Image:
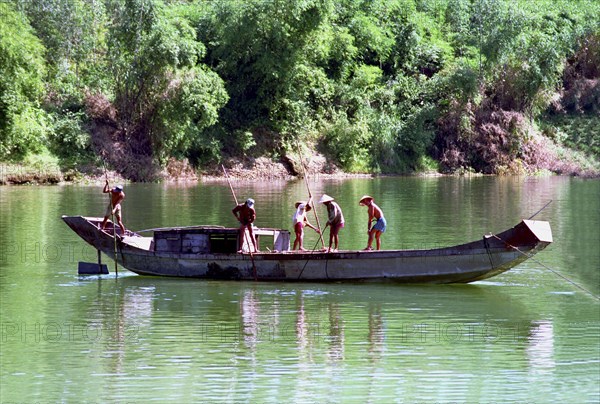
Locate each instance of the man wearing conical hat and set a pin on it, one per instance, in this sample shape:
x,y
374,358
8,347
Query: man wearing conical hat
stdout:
x,y
375,215
335,220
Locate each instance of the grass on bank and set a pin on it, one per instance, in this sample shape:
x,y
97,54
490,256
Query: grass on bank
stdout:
x,y
41,168
578,132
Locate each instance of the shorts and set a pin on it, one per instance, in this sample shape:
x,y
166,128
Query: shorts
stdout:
x,y
380,225
298,227
335,228
117,211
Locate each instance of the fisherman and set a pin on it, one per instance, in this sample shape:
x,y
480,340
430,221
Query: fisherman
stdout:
x,y
114,206
246,215
335,220
375,214
299,220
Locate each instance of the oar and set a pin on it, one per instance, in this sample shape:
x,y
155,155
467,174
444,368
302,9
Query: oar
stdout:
x,y
245,240
310,194
112,217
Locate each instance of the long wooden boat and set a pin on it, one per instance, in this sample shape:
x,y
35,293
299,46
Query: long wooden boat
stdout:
x,y
210,252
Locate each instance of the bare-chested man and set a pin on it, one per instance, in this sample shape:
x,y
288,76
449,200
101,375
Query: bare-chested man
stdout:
x,y
114,206
375,213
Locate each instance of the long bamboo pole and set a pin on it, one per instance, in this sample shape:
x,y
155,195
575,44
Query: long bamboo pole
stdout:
x,y
112,218
310,194
230,186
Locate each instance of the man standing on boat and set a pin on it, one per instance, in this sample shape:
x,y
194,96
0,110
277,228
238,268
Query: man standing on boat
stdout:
x,y
299,220
335,220
114,206
246,215
375,214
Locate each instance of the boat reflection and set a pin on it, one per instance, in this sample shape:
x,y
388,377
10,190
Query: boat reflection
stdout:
x,y
310,323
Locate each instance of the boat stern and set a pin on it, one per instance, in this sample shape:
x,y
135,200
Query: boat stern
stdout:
x,y
540,229
88,229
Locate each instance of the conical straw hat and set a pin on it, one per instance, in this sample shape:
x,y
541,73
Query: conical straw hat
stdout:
x,y
364,199
325,198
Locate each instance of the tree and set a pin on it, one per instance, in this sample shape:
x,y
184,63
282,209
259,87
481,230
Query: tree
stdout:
x,y
163,97
22,121
73,33
259,49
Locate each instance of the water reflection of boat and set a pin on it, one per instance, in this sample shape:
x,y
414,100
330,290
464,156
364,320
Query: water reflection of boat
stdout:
x,y
209,252
325,319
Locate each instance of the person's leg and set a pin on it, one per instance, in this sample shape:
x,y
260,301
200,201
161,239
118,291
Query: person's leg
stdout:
x,y
298,232
330,238
370,242
252,237
241,237
106,216
335,231
302,240
122,226
119,221
378,239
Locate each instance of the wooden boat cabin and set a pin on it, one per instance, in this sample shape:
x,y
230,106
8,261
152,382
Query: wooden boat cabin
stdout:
x,y
217,240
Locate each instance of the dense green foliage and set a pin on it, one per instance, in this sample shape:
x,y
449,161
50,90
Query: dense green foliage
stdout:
x,y
22,121
375,85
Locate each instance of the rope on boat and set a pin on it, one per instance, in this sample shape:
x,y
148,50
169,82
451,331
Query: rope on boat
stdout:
x,y
308,259
548,268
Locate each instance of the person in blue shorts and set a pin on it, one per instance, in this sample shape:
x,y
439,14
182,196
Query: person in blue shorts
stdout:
x,y
375,215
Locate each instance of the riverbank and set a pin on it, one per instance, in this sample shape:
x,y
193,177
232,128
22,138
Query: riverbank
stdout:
x,y
46,170
261,169
16,174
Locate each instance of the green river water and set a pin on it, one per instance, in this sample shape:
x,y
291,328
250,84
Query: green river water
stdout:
x,y
528,335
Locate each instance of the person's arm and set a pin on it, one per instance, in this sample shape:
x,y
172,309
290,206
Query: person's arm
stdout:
x,y
310,225
235,212
106,190
370,218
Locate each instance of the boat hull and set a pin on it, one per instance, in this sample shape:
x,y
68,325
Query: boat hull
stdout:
x,y
464,263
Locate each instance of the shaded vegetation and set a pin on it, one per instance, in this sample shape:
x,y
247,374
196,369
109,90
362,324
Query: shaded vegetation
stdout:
x,y
378,86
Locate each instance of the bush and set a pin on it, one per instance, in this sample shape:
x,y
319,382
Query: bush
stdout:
x,y
348,143
69,139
